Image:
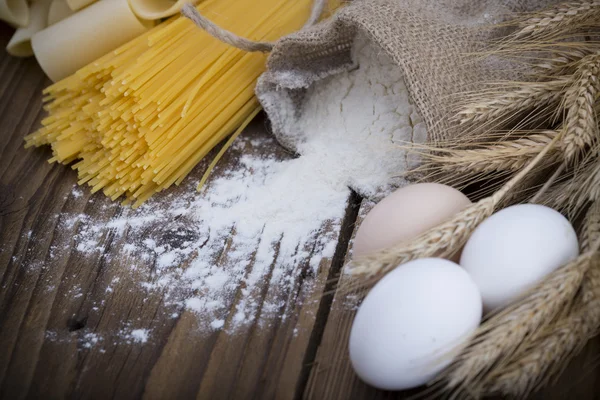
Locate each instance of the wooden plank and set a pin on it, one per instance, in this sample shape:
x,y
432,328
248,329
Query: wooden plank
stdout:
x,y
332,376
66,315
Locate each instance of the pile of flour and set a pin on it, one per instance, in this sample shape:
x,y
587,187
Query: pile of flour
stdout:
x,y
269,214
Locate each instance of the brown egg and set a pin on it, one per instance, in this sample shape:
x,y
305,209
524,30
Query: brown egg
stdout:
x,y
405,214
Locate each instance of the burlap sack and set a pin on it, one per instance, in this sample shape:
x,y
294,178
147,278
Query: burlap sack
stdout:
x,y
428,39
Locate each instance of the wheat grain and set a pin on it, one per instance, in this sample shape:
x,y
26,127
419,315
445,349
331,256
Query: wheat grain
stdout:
x,y
581,125
574,193
590,189
512,101
558,196
506,155
526,190
558,20
559,62
590,231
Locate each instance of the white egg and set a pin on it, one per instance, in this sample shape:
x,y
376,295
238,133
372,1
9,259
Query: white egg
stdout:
x,y
516,248
413,322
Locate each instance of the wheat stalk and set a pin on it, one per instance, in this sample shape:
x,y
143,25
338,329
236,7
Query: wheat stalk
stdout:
x,y
581,125
576,188
558,20
590,189
559,62
591,228
560,194
527,96
506,155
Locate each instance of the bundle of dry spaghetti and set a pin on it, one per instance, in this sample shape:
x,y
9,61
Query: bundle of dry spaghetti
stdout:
x,y
535,139
139,119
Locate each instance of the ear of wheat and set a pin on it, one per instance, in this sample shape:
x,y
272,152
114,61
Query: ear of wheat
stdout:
x,y
567,17
590,231
502,104
507,155
581,125
560,62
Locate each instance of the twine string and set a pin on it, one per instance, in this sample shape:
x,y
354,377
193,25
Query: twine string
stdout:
x,y
315,13
225,36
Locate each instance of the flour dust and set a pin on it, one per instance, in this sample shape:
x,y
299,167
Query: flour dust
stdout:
x,y
266,220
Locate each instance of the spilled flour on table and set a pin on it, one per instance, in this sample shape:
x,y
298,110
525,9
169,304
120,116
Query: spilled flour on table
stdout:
x,y
266,221
139,335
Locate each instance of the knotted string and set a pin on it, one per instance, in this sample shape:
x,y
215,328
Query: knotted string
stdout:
x,y
225,36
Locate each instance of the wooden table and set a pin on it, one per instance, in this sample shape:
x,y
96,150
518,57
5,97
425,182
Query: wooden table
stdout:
x,y
49,304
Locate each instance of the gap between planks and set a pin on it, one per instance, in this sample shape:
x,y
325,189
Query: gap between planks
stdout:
x,y
337,263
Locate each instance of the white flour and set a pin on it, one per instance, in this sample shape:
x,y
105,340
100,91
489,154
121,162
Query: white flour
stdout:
x,y
88,340
139,335
269,215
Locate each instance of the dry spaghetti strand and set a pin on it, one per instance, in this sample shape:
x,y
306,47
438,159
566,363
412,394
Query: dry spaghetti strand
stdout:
x,y
138,120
